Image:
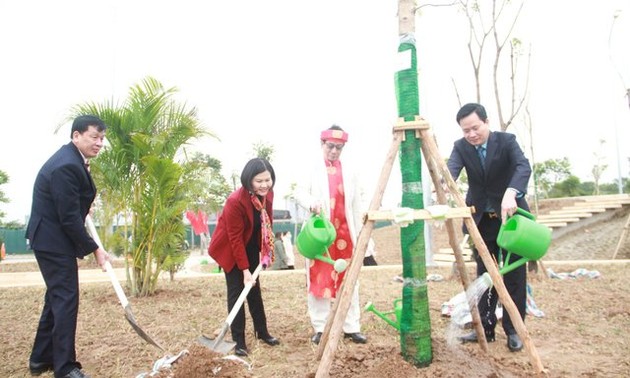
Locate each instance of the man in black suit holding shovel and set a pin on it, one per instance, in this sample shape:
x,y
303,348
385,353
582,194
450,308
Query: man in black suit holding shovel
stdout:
x,y
62,196
498,173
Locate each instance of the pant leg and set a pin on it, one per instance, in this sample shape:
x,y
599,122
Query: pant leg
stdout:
x,y
60,273
487,302
43,346
235,285
516,285
257,310
352,323
318,310
489,229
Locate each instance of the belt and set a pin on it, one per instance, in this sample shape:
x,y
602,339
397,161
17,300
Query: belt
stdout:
x,y
491,215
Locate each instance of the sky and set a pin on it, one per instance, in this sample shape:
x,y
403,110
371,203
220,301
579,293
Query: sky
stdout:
x,y
280,71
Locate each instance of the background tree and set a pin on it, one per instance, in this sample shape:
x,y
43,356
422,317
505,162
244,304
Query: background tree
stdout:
x,y
4,178
208,188
484,23
144,180
550,172
263,150
570,187
599,167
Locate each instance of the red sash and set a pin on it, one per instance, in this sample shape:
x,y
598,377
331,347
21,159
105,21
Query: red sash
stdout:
x,y
324,280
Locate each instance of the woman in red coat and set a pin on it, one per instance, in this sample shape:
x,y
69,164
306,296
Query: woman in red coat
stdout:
x,y
242,240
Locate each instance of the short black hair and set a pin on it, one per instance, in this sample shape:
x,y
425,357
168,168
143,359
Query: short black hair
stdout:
x,y
471,108
82,122
254,167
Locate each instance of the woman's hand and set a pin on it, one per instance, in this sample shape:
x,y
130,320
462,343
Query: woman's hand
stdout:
x,y
247,278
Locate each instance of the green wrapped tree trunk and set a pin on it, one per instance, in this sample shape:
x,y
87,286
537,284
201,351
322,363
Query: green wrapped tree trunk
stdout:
x,y
415,322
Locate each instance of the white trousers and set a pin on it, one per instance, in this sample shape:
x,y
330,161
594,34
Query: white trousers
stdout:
x,y
319,308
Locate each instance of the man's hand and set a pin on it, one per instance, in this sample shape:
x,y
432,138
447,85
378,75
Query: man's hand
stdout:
x,y
316,208
101,257
508,204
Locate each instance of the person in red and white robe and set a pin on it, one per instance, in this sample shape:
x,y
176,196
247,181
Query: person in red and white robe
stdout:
x,y
333,190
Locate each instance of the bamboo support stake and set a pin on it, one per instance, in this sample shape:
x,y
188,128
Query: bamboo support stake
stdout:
x,y
487,259
332,331
430,157
622,237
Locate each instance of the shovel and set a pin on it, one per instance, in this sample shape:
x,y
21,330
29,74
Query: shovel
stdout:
x,y
218,345
118,289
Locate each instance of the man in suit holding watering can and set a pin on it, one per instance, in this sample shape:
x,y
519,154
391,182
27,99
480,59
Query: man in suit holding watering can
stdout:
x,y
333,192
498,173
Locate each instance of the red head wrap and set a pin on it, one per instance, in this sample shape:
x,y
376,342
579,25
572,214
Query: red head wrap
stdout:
x,y
335,135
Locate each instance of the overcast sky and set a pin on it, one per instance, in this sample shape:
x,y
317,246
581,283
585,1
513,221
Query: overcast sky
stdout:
x,y
280,71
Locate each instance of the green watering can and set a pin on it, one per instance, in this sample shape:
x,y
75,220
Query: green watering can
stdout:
x,y
397,311
313,241
522,236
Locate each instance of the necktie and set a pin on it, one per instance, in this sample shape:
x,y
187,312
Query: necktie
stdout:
x,y
481,151
87,165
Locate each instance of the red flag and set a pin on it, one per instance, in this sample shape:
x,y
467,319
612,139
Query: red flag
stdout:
x,y
199,222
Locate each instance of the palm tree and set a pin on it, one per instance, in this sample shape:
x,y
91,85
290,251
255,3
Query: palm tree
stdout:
x,y
141,182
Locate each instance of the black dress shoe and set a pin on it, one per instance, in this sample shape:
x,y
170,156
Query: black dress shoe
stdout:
x,y
270,340
514,343
316,337
241,352
76,373
356,337
38,368
472,337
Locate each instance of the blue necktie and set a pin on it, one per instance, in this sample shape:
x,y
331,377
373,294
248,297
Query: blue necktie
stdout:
x,y
481,151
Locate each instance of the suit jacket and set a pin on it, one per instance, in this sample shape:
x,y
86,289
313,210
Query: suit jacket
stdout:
x,y
235,227
505,167
62,196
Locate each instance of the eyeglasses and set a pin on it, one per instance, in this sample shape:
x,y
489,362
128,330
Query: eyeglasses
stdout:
x,y
338,146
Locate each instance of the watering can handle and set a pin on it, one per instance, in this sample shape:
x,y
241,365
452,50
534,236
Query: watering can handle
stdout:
x,y
525,213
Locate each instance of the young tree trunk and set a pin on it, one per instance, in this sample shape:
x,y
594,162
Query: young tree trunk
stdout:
x,y
415,322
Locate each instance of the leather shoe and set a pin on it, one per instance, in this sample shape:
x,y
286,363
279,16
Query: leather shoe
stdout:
x,y
270,340
472,337
514,343
316,337
38,368
76,373
356,337
241,352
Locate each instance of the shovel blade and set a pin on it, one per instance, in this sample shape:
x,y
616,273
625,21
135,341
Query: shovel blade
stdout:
x,y
222,347
132,320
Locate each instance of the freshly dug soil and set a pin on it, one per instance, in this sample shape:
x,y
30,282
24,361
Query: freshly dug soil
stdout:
x,y
583,333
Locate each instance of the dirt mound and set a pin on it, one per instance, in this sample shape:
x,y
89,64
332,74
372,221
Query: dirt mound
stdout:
x,y
203,362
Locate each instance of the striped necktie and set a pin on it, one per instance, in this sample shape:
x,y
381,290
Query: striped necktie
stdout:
x,y
481,151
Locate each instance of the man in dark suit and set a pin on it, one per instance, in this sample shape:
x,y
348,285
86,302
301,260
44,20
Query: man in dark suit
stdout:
x,y
498,173
62,196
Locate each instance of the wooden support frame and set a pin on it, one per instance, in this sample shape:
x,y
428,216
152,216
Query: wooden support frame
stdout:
x,y
440,176
622,237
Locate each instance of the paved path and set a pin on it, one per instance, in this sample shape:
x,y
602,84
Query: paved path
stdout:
x,y
21,279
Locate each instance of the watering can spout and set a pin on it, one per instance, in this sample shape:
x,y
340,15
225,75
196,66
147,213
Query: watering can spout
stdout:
x,y
383,315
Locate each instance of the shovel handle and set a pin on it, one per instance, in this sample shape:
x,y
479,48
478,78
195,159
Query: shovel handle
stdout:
x,y
117,288
241,298
108,267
